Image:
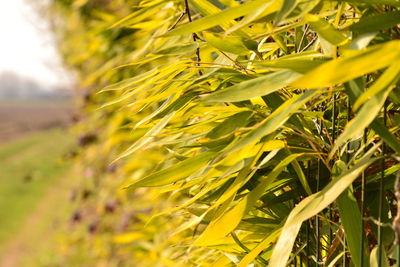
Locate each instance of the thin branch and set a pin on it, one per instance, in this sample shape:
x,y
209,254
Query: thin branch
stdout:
x,y
309,44
177,21
237,64
303,36
194,35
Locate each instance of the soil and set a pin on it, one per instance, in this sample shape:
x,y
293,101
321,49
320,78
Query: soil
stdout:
x,y
21,118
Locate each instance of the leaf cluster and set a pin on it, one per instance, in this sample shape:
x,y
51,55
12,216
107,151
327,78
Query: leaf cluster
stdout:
x,y
243,131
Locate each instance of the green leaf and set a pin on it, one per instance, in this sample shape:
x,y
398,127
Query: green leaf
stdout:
x,y
148,137
286,8
139,15
178,49
228,221
235,168
350,217
204,7
297,65
266,242
260,86
207,8
371,108
176,105
302,177
388,79
229,125
354,90
311,206
326,30
130,81
176,172
386,135
275,120
230,44
216,19
360,62
374,261
376,22
372,2
263,9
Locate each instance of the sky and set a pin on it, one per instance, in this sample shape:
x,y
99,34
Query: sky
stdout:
x,y
27,46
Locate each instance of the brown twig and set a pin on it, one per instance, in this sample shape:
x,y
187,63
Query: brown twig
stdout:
x,y
194,35
177,21
309,44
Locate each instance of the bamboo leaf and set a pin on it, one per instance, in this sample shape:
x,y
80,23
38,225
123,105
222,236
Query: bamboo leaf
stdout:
x,y
259,248
313,205
373,2
260,86
361,62
388,79
275,120
297,65
302,177
386,135
286,8
176,172
265,8
227,222
326,30
216,19
230,124
230,44
178,49
351,217
371,108
376,22
156,129
374,261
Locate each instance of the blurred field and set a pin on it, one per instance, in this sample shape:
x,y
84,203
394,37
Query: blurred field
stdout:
x,y
19,118
31,180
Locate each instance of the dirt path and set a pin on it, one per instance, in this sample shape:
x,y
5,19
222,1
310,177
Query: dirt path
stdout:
x,y
20,119
38,230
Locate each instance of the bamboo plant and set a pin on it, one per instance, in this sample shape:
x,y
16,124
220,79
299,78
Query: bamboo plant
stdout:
x,y
248,133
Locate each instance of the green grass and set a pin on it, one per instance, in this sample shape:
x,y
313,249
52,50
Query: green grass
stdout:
x,y
28,169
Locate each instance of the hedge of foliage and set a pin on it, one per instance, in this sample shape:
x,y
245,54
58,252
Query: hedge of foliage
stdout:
x,y
223,132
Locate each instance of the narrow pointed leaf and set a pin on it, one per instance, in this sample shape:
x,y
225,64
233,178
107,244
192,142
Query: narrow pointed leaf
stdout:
x,y
373,2
275,120
286,8
326,30
311,206
351,217
361,62
371,108
216,19
253,88
176,172
376,22
226,223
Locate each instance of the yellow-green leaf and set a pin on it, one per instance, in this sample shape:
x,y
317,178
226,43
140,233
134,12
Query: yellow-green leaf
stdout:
x,y
311,206
216,19
326,30
275,120
376,22
228,221
260,86
371,108
230,44
352,66
176,172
